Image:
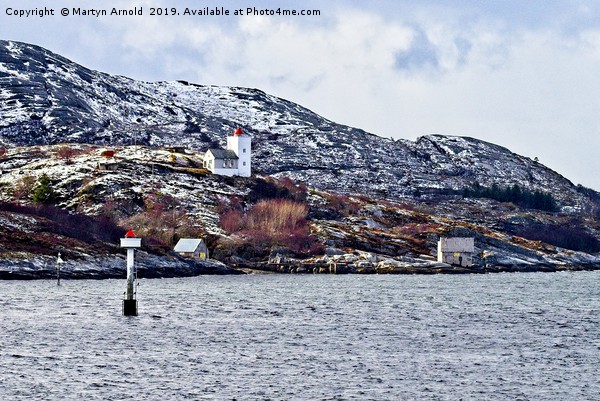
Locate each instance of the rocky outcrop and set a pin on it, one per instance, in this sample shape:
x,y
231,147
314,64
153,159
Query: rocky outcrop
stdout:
x,y
368,263
114,266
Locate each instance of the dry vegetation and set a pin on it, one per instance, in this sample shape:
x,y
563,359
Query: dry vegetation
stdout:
x,y
163,222
270,222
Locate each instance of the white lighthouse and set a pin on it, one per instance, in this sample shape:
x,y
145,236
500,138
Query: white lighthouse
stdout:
x,y
240,143
235,159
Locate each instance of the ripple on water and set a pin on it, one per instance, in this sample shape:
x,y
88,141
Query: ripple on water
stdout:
x,y
494,337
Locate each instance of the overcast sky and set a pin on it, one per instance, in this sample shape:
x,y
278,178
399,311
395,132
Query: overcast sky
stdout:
x,y
524,74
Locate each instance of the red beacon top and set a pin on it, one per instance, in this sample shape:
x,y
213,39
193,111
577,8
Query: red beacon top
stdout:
x,y
130,234
238,131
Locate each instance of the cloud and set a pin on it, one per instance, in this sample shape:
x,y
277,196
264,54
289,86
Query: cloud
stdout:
x,y
422,54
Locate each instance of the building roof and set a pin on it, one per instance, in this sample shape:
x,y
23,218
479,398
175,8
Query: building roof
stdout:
x,y
223,153
187,245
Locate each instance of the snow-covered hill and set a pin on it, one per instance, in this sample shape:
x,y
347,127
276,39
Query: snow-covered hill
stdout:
x,y
161,193
47,99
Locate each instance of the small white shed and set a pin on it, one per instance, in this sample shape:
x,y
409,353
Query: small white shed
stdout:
x,y
192,248
456,251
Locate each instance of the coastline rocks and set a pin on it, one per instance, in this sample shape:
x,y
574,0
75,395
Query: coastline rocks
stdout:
x,y
370,263
28,267
112,266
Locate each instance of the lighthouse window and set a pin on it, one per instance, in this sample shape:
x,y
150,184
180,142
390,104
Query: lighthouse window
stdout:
x,y
244,163
244,150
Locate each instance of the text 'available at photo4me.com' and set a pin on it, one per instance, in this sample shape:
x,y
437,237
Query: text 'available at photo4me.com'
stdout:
x,y
137,11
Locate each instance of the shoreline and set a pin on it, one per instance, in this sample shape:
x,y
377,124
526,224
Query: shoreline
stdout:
x,y
146,272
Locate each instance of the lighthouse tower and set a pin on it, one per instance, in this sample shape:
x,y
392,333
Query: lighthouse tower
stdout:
x,y
130,242
240,143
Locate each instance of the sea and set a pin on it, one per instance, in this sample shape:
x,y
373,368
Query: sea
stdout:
x,y
507,336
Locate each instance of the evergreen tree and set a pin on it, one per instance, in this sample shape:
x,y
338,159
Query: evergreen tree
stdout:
x,y
515,194
44,193
520,196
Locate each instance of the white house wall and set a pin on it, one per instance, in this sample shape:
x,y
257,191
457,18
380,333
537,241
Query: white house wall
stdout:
x,y
229,172
456,244
456,258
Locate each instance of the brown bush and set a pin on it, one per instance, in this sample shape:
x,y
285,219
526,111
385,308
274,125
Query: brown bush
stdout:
x,y
232,221
270,222
277,215
297,192
89,229
225,204
66,153
23,188
163,222
344,205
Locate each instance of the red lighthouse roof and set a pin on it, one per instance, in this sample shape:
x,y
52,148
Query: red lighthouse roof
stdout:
x,y
238,131
130,234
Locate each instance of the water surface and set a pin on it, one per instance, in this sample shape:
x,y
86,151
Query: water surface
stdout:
x,y
305,337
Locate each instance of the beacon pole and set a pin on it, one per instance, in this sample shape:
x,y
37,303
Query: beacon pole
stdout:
x,y
130,242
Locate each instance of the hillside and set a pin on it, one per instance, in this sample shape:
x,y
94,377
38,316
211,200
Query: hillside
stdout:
x,y
366,203
47,99
164,196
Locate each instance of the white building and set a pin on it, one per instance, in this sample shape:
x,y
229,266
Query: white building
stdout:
x,y
192,248
234,160
456,251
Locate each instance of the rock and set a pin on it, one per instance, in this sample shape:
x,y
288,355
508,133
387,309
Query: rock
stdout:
x,y
334,251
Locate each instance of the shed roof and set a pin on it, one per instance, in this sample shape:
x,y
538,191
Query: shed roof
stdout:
x,y
188,245
223,153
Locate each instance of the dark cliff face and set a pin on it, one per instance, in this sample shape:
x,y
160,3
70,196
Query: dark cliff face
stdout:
x,y
47,99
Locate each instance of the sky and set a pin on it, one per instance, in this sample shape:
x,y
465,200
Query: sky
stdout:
x,y
522,74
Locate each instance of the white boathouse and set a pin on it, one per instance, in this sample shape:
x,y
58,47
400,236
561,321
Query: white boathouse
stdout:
x,y
457,251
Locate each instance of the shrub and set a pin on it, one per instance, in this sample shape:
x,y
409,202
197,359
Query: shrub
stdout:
x,y
270,222
162,223
85,228
296,192
344,205
283,188
44,193
66,153
23,188
277,215
232,221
